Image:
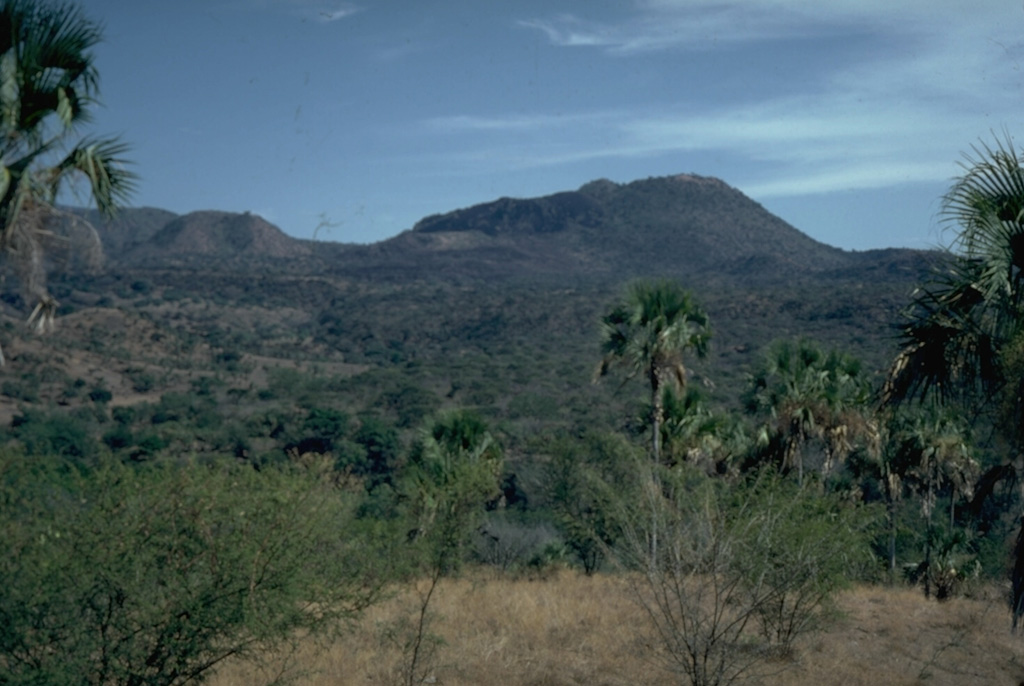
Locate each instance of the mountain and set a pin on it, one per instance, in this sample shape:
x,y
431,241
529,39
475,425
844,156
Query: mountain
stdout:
x,y
681,226
212,237
761,277
132,227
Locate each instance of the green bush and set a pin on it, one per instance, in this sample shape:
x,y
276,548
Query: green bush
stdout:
x,y
806,546
54,433
588,482
156,575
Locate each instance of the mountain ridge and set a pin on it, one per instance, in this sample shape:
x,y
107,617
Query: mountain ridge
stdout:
x,y
680,226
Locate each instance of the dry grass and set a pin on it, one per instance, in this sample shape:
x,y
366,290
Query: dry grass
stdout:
x,y
571,629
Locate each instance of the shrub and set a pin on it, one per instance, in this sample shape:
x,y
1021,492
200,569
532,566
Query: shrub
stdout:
x,y
731,577
156,575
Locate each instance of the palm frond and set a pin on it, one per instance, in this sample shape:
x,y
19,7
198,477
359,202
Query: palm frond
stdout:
x,y
102,163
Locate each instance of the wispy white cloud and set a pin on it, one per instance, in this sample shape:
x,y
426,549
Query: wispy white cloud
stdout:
x,y
330,15
704,24
945,72
464,123
794,146
857,176
317,10
401,50
569,31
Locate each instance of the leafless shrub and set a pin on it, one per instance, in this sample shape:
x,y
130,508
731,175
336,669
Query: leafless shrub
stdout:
x,y
700,605
511,546
739,573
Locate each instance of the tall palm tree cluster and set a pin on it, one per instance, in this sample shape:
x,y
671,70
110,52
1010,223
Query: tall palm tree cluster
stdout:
x,y
963,341
48,87
809,394
948,420
803,393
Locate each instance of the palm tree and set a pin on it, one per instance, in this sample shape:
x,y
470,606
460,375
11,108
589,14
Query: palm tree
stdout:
x,y
808,394
965,326
689,427
933,448
48,84
648,333
963,340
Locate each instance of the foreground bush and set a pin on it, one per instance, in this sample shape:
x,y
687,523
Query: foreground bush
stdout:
x,y
730,578
154,576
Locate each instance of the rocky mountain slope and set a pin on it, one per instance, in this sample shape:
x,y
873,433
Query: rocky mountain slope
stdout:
x,y
683,226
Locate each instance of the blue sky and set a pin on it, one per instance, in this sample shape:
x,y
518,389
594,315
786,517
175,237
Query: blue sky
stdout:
x,y
349,121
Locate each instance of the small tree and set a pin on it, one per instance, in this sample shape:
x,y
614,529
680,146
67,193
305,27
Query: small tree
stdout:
x,y
804,546
454,470
156,576
586,479
700,604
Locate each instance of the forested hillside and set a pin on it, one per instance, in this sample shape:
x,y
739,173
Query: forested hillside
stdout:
x,y
495,307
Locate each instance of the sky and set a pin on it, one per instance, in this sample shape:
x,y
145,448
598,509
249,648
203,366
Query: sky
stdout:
x,y
351,120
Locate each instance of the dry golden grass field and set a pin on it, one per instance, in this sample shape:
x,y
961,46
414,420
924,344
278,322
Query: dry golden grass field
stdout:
x,y
571,629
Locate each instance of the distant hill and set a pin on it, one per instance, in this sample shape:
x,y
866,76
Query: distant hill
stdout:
x,y
224,238
132,227
681,226
495,307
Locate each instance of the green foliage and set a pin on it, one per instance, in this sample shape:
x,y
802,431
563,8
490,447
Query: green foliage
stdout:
x,y
54,433
808,395
588,480
411,404
962,335
453,472
155,576
100,395
22,390
805,546
647,333
381,449
326,423
142,379
694,432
